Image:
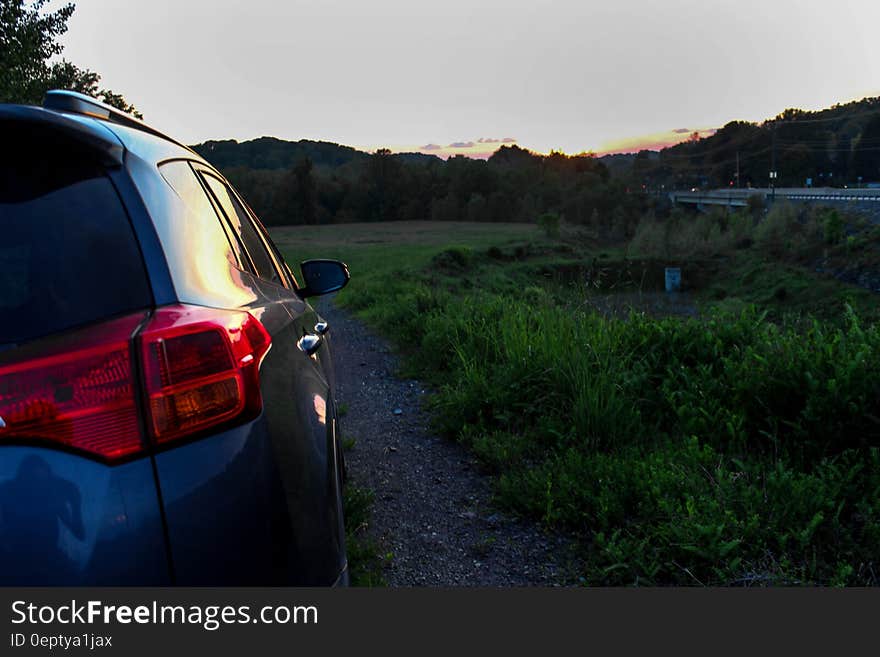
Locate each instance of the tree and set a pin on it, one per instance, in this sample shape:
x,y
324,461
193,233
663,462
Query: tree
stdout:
x,y
28,41
382,182
305,184
296,198
866,154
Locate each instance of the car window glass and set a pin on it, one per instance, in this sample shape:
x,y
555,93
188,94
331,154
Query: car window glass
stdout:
x,y
287,276
209,225
68,254
241,224
282,263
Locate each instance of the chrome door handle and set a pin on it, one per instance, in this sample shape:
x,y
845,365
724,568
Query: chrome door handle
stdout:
x,y
321,328
309,344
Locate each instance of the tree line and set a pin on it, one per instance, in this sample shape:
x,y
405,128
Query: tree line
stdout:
x,y
311,184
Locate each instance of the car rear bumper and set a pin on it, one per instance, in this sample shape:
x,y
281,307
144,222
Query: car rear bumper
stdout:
x,y
69,520
219,517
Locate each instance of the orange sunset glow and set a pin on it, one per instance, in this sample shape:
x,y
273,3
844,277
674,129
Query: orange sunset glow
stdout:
x,y
480,148
653,142
483,148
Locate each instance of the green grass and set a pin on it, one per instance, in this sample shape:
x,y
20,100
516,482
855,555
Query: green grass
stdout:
x,y
364,562
735,448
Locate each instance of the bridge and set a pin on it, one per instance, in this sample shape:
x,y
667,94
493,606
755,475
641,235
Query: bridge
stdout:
x,y
868,199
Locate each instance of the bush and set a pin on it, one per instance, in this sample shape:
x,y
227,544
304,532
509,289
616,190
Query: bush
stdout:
x,y
455,259
651,237
756,204
833,227
683,235
549,222
776,231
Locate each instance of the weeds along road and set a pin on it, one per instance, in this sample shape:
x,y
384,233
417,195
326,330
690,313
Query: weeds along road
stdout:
x,y
432,513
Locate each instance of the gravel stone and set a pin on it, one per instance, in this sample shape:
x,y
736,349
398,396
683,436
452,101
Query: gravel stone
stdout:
x,y
433,508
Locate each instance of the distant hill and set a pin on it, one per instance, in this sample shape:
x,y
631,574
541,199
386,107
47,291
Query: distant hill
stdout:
x,y
830,147
271,153
417,158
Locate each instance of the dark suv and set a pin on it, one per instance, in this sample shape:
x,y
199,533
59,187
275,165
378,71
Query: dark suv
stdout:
x,y
166,406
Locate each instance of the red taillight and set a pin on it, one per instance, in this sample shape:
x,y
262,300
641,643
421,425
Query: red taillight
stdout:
x,y
78,393
201,369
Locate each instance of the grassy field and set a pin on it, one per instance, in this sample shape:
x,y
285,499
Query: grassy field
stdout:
x,y
384,247
727,436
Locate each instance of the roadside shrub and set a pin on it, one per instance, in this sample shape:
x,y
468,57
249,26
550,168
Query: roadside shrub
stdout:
x,y
549,223
455,259
650,237
756,204
833,227
777,230
740,227
533,295
621,225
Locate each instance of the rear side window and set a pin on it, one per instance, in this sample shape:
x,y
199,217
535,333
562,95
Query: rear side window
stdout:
x,y
245,230
68,255
204,222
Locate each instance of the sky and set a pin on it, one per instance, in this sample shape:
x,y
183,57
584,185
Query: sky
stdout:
x,y
455,76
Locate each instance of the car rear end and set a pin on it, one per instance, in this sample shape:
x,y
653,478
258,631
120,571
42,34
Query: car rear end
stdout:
x,y
77,504
147,435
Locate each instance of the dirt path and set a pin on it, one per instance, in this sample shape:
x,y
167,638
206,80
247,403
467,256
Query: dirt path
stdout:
x,y
432,506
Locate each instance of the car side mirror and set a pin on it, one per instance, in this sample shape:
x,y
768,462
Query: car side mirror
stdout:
x,y
323,276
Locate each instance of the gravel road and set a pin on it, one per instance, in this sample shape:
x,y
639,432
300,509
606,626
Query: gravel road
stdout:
x,y
432,506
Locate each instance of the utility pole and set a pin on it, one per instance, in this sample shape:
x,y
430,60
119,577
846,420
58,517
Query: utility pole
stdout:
x,y
737,169
773,174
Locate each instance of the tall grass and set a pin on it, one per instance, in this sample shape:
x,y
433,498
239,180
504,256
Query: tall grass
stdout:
x,y
727,451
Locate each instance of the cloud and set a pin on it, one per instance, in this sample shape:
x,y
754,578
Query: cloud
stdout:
x,y
690,131
431,147
494,140
461,144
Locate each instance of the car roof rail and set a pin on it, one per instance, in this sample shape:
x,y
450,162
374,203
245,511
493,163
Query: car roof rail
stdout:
x,y
73,102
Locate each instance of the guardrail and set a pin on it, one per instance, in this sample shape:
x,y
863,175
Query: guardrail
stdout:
x,y
739,197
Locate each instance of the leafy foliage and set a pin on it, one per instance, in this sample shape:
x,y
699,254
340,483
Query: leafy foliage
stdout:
x,y
549,223
28,43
